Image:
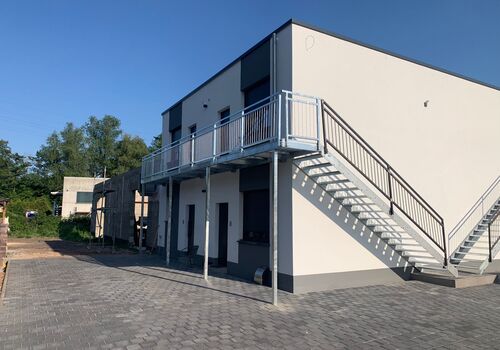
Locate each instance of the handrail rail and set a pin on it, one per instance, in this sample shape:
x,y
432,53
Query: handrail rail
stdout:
x,y
467,215
210,127
356,151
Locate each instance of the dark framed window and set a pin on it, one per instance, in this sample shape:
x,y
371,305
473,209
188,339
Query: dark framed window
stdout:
x,y
224,114
256,216
84,197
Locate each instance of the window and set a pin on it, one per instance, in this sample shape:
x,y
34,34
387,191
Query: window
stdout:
x,y
192,129
175,134
256,216
224,115
84,197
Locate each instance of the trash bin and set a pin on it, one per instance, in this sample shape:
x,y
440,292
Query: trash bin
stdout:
x,y
262,276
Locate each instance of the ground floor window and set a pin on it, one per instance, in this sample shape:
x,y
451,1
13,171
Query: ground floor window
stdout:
x,y
256,216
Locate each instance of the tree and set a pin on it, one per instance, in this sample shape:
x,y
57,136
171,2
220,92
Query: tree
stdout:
x,y
64,154
12,167
129,153
101,138
156,143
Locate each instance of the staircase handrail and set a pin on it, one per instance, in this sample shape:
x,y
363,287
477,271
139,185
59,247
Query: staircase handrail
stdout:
x,y
476,205
385,179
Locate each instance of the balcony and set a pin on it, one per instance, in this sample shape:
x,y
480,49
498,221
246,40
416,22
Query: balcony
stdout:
x,y
286,121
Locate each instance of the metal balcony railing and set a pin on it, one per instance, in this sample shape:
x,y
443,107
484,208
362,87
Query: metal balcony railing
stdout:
x,y
276,120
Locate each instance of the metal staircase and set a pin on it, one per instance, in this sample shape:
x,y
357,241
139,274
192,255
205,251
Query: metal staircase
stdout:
x,y
354,174
480,227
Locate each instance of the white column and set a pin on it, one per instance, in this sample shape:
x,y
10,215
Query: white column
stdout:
x,y
274,242
169,219
207,221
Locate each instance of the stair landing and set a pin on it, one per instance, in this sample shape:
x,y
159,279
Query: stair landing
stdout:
x,y
464,280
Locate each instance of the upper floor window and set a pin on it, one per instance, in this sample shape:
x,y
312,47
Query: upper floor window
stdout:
x,y
224,115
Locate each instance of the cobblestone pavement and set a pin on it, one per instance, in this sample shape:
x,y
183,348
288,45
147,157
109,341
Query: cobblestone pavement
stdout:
x,y
132,302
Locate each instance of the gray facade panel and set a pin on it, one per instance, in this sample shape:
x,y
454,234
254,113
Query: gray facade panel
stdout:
x,y
350,279
175,117
255,66
254,178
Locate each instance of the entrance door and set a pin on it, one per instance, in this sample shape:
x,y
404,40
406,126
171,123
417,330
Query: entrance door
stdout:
x,y
223,224
190,233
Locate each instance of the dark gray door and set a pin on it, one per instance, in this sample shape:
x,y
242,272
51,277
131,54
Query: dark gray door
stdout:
x,y
190,228
223,224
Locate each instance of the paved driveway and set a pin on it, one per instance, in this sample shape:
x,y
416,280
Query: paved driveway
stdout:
x,y
132,302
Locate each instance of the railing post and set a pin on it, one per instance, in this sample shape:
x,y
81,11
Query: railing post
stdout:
x,y
318,119
325,146
214,142
287,118
192,149
445,246
490,258
279,119
391,205
242,130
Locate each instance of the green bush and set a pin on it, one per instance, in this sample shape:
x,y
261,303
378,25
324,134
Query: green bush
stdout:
x,y
44,224
75,228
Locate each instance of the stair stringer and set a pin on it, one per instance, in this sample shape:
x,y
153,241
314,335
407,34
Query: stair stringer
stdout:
x,y
382,205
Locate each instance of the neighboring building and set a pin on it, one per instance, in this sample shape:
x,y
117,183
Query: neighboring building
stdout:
x,y
118,215
77,195
345,217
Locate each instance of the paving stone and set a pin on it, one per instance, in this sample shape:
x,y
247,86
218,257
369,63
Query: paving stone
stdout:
x,y
134,302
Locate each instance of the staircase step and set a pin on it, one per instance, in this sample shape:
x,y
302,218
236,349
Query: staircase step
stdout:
x,y
328,173
415,259
417,254
409,248
333,182
396,242
471,253
389,235
473,247
313,156
357,208
315,166
347,195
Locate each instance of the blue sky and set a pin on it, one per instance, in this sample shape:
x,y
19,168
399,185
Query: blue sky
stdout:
x,y
65,60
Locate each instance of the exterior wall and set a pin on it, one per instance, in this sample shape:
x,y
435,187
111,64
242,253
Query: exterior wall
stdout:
x,y
444,149
224,189
71,186
447,151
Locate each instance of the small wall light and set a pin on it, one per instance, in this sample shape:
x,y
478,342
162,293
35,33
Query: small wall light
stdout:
x,y
426,103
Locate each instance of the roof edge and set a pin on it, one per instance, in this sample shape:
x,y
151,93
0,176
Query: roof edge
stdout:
x,y
338,36
390,53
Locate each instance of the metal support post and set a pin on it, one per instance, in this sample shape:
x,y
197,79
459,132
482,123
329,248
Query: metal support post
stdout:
x,y
169,219
142,219
207,221
274,244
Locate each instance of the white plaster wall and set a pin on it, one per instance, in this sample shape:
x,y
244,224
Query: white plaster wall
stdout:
x,y
448,151
326,238
220,93
224,189
72,185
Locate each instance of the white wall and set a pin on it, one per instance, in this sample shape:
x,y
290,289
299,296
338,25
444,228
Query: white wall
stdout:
x,y
71,186
448,151
224,189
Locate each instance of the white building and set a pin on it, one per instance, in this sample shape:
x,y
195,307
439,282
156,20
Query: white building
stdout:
x,y
77,195
347,215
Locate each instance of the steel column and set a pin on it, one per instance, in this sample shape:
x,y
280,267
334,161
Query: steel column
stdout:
x,y
207,221
142,219
169,219
274,243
